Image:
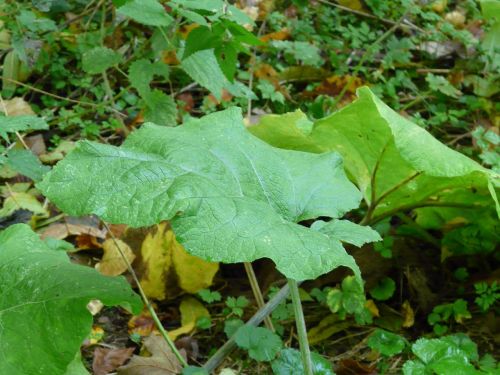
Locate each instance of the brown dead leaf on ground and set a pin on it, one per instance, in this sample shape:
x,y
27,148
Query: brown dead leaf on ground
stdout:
x,y
142,324
16,107
162,361
61,231
332,86
108,360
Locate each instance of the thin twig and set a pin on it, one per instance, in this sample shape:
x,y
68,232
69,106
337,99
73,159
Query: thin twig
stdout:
x,y
150,308
257,292
404,25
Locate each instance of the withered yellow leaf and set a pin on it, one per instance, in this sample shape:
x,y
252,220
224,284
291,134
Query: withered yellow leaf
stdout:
x,y
112,263
168,266
191,310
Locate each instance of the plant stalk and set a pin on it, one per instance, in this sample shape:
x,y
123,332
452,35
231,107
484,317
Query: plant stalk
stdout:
x,y
301,327
257,293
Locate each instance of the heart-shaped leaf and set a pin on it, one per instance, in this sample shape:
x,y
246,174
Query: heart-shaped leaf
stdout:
x,y
43,314
230,197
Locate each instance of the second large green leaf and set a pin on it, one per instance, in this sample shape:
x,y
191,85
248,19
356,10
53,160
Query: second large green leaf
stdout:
x,y
395,163
43,298
230,197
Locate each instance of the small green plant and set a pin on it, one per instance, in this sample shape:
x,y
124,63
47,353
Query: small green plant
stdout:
x,y
487,295
441,315
349,299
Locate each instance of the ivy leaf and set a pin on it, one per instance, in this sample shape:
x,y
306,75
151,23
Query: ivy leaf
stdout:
x,y
347,231
261,343
406,165
12,124
230,197
43,313
289,362
99,59
147,12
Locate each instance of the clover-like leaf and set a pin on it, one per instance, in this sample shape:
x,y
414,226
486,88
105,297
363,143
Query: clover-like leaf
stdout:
x,y
396,164
230,197
43,314
290,362
261,343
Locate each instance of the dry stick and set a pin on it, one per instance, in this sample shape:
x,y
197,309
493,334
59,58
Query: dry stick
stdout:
x,y
255,320
150,308
407,24
83,103
257,293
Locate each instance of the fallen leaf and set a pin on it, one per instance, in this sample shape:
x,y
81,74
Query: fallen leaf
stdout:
x,y
282,34
96,335
161,362
142,324
108,360
62,230
16,107
327,327
351,366
352,4
19,200
36,144
167,265
95,306
408,314
112,263
372,307
191,310
58,153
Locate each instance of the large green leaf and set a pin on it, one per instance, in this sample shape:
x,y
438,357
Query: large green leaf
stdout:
x,y
43,298
230,196
404,165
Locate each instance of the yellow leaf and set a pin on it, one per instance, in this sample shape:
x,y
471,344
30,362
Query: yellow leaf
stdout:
x,y
370,305
25,201
352,4
193,273
408,314
191,310
112,263
155,251
167,266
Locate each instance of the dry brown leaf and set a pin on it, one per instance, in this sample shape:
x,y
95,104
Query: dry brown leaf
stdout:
x,y
16,107
108,360
62,230
112,263
142,324
162,361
